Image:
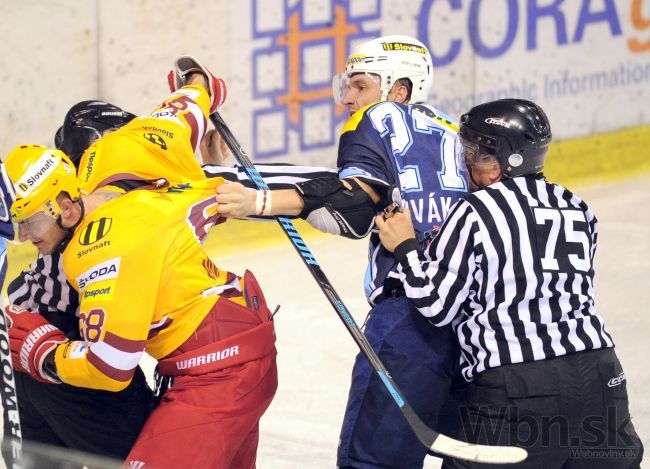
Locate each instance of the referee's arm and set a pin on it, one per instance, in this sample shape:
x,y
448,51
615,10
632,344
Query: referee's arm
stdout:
x,y
438,281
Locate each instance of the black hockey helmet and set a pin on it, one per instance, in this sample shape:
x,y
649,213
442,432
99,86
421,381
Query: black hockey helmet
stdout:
x,y
515,131
84,123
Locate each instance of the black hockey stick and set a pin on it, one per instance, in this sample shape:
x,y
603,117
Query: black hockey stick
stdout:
x,y
431,439
9,398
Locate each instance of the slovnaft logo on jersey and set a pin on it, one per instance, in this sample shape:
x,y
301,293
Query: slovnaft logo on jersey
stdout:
x,y
95,231
39,172
102,271
92,248
155,139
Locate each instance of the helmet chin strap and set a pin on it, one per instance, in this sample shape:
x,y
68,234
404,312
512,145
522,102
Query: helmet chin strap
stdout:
x,y
69,230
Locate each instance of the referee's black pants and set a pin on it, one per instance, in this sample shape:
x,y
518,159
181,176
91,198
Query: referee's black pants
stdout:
x,y
568,412
102,423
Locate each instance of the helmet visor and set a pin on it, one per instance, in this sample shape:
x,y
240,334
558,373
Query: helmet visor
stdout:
x,y
35,226
466,152
361,82
469,153
340,87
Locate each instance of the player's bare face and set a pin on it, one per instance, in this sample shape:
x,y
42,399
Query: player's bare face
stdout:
x,y
363,89
42,232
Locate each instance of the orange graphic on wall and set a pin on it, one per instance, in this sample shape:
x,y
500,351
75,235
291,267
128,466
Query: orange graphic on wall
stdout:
x,y
339,32
640,23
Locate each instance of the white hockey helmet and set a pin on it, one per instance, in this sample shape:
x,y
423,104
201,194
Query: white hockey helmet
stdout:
x,y
391,58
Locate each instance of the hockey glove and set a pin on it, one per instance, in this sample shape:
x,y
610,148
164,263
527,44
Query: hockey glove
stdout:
x,y
31,339
184,67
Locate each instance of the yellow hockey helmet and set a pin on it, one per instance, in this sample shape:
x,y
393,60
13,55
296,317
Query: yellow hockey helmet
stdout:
x,y
39,175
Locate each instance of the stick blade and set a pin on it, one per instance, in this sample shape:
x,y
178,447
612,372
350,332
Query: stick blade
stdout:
x,y
479,453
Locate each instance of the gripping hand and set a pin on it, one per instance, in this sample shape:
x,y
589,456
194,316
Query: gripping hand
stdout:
x,y
184,67
32,339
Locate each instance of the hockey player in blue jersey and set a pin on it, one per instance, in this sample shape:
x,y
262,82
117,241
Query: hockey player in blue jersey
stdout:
x,y
411,147
7,196
391,140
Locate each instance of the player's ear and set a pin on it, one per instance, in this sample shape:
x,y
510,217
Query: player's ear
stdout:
x,y
69,209
399,93
494,172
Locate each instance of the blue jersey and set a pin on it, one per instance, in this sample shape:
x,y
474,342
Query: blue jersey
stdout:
x,y
7,197
411,147
3,262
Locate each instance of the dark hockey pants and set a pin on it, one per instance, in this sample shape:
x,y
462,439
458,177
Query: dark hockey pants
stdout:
x,y
423,360
569,412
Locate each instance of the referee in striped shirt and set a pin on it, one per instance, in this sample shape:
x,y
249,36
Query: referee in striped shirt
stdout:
x,y
512,271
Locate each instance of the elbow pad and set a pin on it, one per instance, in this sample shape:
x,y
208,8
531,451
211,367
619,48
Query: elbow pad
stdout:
x,y
333,208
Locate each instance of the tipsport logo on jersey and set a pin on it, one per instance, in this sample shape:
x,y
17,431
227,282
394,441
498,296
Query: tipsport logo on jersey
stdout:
x,y
304,46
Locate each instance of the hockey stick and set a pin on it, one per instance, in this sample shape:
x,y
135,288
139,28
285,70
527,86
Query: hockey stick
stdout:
x,y
8,388
431,439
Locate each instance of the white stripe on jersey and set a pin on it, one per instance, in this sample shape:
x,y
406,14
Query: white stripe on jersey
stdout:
x,y
200,124
114,357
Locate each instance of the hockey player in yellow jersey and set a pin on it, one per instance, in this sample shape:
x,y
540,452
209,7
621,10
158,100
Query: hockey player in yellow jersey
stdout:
x,y
145,283
147,149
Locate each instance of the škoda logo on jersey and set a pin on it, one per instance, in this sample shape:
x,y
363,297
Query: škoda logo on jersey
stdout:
x,y
95,231
102,271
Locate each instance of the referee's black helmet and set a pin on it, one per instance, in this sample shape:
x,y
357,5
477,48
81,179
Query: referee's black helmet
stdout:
x,y
515,131
86,122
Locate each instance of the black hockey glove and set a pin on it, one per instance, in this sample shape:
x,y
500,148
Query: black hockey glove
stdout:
x,y
333,208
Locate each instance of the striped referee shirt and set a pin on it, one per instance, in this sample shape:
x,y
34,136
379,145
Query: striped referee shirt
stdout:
x,y
276,175
44,288
512,271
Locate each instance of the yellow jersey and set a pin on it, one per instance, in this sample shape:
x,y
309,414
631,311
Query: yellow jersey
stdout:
x,y
144,282
159,146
